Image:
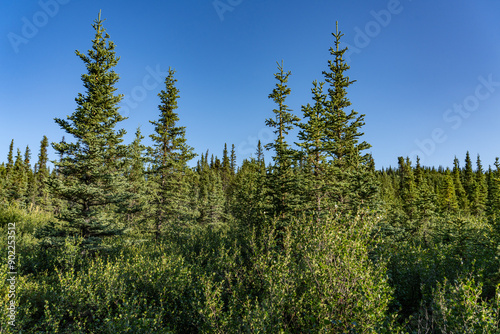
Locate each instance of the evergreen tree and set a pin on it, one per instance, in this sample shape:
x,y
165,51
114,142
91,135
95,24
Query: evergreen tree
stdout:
x,y
468,178
281,179
135,172
42,175
312,137
419,173
170,175
30,179
3,183
407,188
211,197
448,199
259,155
461,195
480,192
493,199
91,169
7,179
331,139
226,175
27,158
342,128
18,181
250,204
354,180
232,160
10,157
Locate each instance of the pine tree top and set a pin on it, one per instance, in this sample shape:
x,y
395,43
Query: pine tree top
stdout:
x,y
97,113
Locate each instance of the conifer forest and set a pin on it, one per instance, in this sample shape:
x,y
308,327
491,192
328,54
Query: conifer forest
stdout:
x,y
117,237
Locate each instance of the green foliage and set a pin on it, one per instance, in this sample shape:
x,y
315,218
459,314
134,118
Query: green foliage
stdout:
x,y
169,176
282,178
340,174
137,203
91,179
459,308
448,197
211,198
250,198
291,248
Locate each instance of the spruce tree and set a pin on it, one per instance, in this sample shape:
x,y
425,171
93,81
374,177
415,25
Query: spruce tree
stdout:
x,y
169,175
480,193
3,183
354,181
468,178
250,205
18,184
91,178
30,179
42,175
259,154
6,190
211,197
331,140
226,175
461,195
281,179
232,160
312,137
448,199
493,199
341,127
10,157
137,202
407,188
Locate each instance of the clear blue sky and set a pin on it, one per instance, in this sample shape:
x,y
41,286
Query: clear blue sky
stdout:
x,y
428,72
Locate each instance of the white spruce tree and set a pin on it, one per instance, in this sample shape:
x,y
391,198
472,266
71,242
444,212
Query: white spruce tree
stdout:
x,y
90,170
169,176
281,178
342,175
42,175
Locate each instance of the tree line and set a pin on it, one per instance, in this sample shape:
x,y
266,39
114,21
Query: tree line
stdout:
x,y
98,180
128,237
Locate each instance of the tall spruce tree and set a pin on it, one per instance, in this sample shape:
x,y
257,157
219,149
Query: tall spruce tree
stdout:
x,y
312,137
282,185
226,175
232,159
18,183
6,190
461,195
42,175
426,197
137,202
169,174
10,157
3,183
493,199
354,180
468,178
91,168
30,179
407,187
480,193
448,199
332,136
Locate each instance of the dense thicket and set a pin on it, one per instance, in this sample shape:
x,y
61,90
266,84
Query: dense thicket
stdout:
x,y
128,238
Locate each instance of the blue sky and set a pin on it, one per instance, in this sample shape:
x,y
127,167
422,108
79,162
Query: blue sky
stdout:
x,y
428,72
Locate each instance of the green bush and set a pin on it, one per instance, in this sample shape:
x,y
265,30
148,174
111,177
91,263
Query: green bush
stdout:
x,y
459,308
